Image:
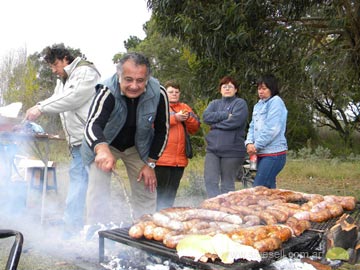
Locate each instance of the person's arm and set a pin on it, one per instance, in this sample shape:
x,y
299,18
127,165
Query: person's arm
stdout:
x,y
237,117
192,122
99,113
79,88
250,133
212,115
161,126
272,123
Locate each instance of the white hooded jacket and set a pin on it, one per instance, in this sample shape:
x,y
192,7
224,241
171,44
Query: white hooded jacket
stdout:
x,y
72,99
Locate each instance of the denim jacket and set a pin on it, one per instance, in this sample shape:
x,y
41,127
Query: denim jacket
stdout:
x,y
268,125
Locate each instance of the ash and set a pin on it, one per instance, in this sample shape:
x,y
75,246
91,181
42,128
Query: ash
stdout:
x,y
291,264
135,259
125,257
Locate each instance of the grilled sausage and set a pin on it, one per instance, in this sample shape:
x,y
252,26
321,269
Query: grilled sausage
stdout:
x,y
252,220
268,244
281,216
159,233
320,216
149,231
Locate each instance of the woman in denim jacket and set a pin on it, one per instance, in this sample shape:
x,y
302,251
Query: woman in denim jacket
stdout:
x,y
266,134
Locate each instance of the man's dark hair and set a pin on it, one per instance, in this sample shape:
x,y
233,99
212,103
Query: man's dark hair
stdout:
x,y
57,51
271,82
139,60
172,83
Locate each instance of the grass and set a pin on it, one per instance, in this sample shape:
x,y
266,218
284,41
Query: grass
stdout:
x,y
315,175
324,177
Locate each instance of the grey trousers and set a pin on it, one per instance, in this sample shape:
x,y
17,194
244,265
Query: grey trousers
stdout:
x,y
142,201
220,173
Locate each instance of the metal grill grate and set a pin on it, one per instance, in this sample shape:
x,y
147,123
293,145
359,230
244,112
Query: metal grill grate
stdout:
x,y
309,243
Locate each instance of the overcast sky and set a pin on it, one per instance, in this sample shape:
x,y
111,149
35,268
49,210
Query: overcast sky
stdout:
x,y
97,28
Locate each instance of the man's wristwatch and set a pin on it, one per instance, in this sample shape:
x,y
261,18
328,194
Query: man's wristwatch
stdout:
x,y
152,165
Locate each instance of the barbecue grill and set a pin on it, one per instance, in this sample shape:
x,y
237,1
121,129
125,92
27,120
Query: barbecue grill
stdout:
x,y
309,243
16,248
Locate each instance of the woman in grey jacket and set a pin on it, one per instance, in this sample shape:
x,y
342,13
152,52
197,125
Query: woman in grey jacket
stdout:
x,y
225,151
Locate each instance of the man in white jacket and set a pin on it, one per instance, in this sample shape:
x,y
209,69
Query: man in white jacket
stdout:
x,y
73,94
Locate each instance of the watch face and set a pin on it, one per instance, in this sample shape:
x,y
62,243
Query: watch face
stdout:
x,y
151,165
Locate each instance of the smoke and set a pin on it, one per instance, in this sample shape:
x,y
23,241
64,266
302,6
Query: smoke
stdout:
x,y
38,216
20,210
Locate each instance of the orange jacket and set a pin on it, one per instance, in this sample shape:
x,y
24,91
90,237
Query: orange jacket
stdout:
x,y
174,153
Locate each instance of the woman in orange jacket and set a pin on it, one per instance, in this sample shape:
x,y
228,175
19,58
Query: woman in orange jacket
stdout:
x,y
170,166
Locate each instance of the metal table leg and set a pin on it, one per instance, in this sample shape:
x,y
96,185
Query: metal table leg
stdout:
x,y
45,159
43,198
101,248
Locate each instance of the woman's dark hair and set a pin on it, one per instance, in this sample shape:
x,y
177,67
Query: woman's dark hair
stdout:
x,y
271,82
57,51
226,80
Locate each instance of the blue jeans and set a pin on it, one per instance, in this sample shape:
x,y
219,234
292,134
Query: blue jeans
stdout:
x,y
268,168
76,196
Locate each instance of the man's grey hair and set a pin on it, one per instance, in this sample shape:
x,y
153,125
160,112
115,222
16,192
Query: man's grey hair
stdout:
x,y
139,60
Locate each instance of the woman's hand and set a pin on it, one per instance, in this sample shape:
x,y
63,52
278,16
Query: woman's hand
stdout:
x,y
182,116
250,149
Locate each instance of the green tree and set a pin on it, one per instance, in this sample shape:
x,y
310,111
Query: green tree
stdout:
x,y
302,42
20,77
132,42
169,58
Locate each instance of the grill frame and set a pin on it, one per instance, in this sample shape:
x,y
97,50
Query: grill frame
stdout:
x,y
311,242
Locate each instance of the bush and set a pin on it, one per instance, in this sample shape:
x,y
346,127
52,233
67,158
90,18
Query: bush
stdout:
x,y
308,153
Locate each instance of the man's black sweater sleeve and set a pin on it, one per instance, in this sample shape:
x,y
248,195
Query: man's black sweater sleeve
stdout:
x,y
161,126
99,113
